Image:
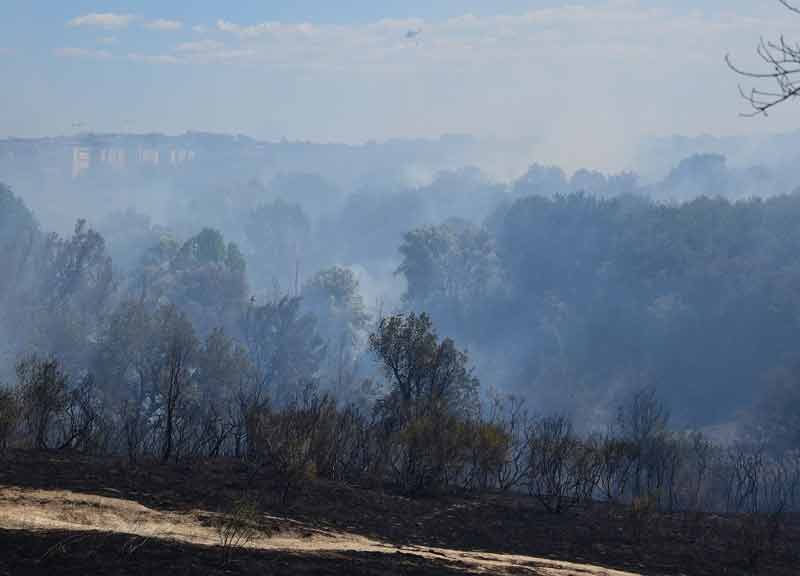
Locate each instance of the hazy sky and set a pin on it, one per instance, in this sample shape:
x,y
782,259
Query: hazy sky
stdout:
x,y
579,81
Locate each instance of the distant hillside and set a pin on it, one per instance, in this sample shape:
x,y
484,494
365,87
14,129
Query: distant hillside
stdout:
x,y
655,157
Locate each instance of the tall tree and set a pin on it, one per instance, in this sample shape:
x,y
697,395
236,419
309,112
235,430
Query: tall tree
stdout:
x,y
205,277
432,394
224,379
177,348
451,270
333,296
284,346
425,374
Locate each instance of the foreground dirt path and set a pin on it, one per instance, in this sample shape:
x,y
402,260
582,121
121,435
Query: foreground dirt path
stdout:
x,y
36,510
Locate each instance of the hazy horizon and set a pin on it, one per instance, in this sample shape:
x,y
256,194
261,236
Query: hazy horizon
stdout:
x,y
577,84
438,248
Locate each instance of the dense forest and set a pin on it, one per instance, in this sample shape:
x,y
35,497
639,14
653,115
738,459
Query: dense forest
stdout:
x,y
581,340
359,288
568,291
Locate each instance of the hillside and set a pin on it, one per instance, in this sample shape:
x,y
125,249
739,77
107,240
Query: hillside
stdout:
x,y
70,514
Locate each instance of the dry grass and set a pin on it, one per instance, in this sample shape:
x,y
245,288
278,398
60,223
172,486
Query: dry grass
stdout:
x,y
323,530
47,510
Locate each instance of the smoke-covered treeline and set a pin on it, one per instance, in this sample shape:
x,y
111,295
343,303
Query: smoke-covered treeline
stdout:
x,y
578,298
567,290
610,312
773,154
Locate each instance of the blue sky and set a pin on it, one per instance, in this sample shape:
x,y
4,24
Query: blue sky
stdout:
x,y
578,82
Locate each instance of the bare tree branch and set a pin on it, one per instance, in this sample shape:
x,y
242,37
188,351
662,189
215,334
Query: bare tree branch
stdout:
x,y
782,61
790,6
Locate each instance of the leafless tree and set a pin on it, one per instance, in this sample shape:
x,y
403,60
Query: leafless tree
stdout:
x,y
701,456
177,349
9,413
782,60
642,422
42,388
282,442
509,417
616,462
83,425
553,449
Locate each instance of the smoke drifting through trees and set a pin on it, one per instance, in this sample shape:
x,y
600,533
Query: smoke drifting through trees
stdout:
x,y
572,293
568,291
563,337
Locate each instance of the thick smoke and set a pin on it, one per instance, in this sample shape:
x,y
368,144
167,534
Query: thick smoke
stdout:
x,y
569,290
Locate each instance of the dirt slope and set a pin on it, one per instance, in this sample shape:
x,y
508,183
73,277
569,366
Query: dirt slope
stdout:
x,y
36,511
75,510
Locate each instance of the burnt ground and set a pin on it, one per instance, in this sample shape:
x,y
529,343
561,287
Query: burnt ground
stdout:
x,y
602,535
89,553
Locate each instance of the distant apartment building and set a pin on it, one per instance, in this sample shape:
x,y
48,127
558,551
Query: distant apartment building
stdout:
x,y
180,156
81,160
114,157
102,154
150,156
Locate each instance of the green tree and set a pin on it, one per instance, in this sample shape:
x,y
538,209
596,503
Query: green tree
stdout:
x,y
333,296
224,379
425,374
454,262
126,366
19,236
432,393
204,277
280,236
284,346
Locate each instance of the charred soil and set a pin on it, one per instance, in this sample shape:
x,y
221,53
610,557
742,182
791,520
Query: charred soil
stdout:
x,y
360,530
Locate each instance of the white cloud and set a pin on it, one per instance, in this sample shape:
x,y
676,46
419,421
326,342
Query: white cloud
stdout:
x,y
561,74
86,53
265,29
582,82
163,25
614,38
105,20
201,52
246,31
153,59
200,46
108,40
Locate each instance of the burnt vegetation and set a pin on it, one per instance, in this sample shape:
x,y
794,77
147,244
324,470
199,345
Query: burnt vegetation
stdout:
x,y
367,345
626,328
